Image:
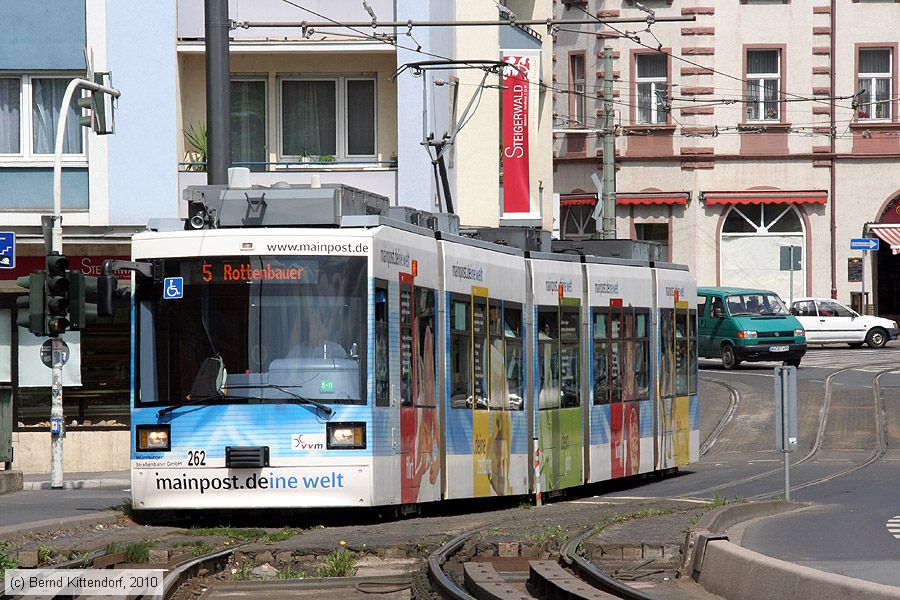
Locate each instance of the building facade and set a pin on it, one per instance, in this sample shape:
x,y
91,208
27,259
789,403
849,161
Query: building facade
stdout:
x,y
756,126
334,103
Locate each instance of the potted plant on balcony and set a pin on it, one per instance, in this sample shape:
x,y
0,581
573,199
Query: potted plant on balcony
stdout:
x,y
197,139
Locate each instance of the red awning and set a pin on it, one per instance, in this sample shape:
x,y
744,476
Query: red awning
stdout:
x,y
652,197
890,234
766,197
577,199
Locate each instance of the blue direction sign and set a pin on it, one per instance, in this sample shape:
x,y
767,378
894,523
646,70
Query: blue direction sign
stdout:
x,y
864,243
7,250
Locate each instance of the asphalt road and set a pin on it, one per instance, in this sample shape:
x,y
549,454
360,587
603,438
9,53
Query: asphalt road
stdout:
x,y
38,505
848,528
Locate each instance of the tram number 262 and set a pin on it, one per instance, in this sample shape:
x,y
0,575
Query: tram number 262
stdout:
x,y
196,458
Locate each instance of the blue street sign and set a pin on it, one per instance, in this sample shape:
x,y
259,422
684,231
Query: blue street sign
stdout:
x,y
7,250
864,243
173,288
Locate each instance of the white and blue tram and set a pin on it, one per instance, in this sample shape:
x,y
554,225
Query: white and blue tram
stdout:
x,y
350,359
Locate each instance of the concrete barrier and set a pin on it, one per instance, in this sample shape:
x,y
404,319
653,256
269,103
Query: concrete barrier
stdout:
x,y
10,481
735,573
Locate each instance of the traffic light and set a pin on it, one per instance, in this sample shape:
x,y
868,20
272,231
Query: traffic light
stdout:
x,y
57,295
87,104
94,108
30,308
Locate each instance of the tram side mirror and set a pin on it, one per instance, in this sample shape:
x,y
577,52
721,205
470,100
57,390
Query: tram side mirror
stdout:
x,y
354,351
106,289
210,379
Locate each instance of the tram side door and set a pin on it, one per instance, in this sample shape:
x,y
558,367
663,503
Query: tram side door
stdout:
x,y
549,396
481,421
684,380
409,488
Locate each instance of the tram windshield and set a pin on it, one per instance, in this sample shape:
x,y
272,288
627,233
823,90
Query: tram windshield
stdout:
x,y
285,329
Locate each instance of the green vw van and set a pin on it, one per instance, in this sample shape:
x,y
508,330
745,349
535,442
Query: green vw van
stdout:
x,y
741,324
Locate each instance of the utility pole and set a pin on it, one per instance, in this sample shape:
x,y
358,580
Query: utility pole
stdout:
x,y
218,92
609,150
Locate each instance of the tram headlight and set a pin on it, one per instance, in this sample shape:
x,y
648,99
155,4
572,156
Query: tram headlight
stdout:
x,y
747,335
153,438
347,436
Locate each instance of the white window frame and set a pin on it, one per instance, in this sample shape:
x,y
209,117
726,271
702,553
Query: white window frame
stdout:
x,y
578,89
657,85
758,80
341,108
26,153
872,78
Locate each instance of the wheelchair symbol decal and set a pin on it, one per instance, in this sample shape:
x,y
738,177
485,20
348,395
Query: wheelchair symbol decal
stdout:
x,y
173,288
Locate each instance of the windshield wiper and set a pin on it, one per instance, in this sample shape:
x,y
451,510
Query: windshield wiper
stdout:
x,y
194,400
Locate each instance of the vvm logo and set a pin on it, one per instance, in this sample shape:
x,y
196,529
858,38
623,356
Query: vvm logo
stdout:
x,y
305,442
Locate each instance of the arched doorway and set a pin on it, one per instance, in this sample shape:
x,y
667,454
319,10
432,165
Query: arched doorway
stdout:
x,y
751,239
887,268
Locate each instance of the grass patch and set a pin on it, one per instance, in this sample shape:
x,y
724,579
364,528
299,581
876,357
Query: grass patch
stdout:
x,y
197,547
113,548
45,554
242,572
338,564
7,561
246,534
290,572
138,552
553,534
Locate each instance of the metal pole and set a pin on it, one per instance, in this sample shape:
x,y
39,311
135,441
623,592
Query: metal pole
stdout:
x,y
862,299
785,433
792,276
218,92
56,243
609,150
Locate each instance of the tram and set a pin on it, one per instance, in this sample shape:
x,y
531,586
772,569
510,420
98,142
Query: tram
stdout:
x,y
313,347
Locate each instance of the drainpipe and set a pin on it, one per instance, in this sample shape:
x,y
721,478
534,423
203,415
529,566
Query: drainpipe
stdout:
x,y
833,167
218,92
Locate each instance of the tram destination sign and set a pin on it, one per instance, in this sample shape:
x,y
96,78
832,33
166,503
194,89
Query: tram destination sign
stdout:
x,y
864,243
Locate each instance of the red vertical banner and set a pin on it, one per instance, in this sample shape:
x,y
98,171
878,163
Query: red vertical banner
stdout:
x,y
516,184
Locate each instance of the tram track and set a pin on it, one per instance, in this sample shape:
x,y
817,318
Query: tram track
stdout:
x,y
571,576
816,447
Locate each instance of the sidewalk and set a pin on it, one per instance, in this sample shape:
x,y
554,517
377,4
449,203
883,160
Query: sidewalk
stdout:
x,y
104,479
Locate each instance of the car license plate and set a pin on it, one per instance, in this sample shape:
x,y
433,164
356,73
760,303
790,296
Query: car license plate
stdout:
x,y
778,348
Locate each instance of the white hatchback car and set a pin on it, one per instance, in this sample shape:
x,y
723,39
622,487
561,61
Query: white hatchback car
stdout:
x,y
827,321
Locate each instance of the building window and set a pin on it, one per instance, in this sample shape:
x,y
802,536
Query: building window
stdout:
x,y
28,133
763,85
655,232
652,94
751,239
248,123
875,67
578,106
328,117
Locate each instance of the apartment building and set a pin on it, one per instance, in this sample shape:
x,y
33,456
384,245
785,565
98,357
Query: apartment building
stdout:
x,y
759,125
309,102
111,186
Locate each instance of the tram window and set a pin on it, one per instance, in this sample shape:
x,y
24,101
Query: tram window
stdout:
x,y
570,356
666,352
512,341
480,353
601,361
406,344
382,347
423,327
692,350
548,358
460,355
681,353
635,371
